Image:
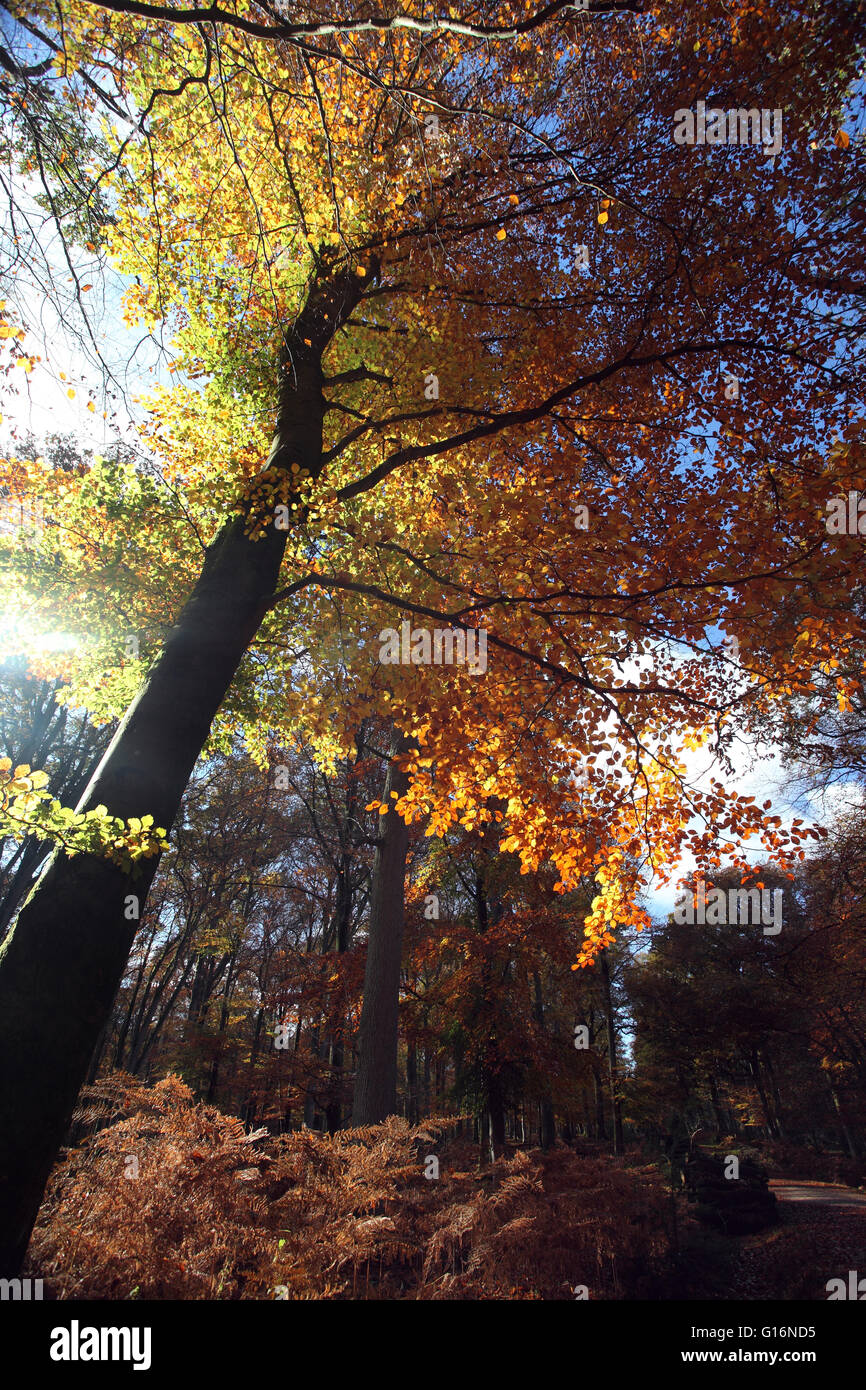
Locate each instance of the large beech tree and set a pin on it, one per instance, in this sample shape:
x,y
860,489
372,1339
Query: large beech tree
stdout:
x,y
489,303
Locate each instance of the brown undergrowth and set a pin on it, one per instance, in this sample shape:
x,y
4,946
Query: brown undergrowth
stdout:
x,y
175,1200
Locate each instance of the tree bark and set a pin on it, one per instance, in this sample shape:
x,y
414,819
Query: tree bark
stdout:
x,y
600,1126
412,1084
62,962
840,1117
777,1099
496,1116
755,1068
548,1116
376,1077
715,1101
342,931
616,1103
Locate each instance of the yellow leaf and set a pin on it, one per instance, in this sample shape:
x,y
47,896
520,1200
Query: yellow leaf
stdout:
x,y
501,234
71,394
91,406
513,198
602,217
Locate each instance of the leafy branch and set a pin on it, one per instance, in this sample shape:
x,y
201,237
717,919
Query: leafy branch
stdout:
x,y
27,808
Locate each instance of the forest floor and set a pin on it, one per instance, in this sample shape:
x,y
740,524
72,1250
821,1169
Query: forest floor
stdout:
x,y
821,1235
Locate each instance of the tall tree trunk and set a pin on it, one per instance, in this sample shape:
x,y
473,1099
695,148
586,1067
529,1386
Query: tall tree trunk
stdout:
x,y
312,1087
251,1104
483,1121
412,1084
715,1101
376,1077
496,1114
600,1126
616,1103
216,1063
777,1099
62,962
755,1068
129,1015
98,1054
548,1116
342,927
840,1117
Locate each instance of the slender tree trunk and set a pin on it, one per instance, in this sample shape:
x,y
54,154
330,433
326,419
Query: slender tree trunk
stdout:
x,y
334,1108
755,1067
412,1084
616,1103
439,1082
98,1054
715,1101
213,1081
199,995
840,1117
310,1105
600,1126
342,927
251,1104
548,1117
484,1136
62,962
147,1032
777,1099
376,1077
496,1116
126,1025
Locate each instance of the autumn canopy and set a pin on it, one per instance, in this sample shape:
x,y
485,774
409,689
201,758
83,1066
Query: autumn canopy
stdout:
x,y
447,328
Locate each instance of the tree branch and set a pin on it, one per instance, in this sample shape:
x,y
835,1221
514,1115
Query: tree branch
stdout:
x,y
213,14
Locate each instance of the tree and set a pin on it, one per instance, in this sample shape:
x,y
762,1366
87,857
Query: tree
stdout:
x,y
247,210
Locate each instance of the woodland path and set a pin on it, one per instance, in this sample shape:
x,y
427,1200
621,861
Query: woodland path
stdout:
x,y
821,1235
826,1195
